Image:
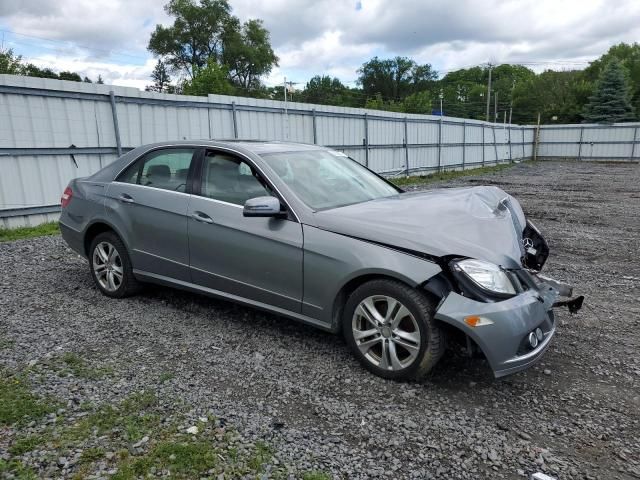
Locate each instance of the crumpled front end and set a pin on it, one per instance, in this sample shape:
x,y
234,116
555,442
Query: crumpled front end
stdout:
x,y
513,333
513,330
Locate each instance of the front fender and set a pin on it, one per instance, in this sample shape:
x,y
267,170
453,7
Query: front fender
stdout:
x,y
332,260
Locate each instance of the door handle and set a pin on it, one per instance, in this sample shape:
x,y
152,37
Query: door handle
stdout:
x,y
201,217
125,198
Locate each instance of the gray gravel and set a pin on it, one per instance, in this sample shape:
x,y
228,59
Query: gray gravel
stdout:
x,y
575,415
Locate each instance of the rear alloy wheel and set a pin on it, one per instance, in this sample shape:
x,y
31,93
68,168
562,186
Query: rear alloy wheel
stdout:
x,y
111,267
390,328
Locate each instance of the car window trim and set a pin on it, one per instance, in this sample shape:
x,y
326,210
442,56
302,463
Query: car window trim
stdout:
x,y
197,190
149,186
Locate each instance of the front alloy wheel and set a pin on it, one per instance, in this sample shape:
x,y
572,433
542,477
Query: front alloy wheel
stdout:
x,y
390,328
386,332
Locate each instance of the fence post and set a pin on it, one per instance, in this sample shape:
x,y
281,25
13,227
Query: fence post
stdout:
x,y
315,128
536,139
495,144
523,150
483,144
116,128
580,144
366,140
235,120
510,152
406,147
633,145
440,143
464,142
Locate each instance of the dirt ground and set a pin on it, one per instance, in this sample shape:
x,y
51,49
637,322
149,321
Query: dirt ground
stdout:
x,y
574,415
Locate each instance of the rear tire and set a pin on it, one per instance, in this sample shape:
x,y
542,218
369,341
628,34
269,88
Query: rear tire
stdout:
x,y
111,266
391,330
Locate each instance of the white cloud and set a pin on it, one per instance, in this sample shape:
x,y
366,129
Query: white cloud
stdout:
x,y
331,36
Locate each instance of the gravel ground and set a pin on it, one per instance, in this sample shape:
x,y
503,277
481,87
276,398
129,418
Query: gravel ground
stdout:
x,y
574,415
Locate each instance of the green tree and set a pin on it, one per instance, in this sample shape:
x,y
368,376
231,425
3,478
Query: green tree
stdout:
x,y
212,78
326,90
629,57
419,102
610,101
196,34
395,78
555,95
247,53
71,76
10,63
86,80
161,79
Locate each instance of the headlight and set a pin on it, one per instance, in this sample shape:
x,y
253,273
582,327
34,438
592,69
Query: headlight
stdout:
x,y
487,275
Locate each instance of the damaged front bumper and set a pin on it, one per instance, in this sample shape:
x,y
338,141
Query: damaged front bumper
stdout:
x,y
503,335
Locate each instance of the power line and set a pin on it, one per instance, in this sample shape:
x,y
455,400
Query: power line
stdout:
x,y
67,43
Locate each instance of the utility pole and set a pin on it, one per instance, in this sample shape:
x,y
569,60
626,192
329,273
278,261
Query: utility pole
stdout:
x,y
495,107
489,93
537,139
441,97
285,94
511,103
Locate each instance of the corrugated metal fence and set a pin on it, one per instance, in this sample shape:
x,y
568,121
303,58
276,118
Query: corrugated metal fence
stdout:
x,y
618,142
52,131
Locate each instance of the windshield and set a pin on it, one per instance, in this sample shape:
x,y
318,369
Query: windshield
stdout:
x,y
326,179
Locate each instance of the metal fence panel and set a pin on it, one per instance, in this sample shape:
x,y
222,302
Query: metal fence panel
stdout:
x,y
52,131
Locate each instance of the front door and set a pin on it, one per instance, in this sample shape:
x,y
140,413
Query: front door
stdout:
x,y
259,259
149,203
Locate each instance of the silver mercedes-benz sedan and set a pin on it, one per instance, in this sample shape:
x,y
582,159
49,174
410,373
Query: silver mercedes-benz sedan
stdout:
x,y
308,233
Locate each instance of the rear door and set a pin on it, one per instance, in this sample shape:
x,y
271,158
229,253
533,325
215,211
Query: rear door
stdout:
x,y
255,258
148,203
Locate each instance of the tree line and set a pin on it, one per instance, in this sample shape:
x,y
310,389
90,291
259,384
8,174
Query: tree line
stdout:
x,y
213,52
13,64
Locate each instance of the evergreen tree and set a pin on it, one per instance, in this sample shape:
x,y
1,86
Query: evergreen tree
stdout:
x,y
610,101
161,78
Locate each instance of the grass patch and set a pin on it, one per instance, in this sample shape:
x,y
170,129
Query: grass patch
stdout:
x,y
448,175
129,419
91,455
74,364
15,469
18,404
26,444
10,234
165,377
316,476
169,451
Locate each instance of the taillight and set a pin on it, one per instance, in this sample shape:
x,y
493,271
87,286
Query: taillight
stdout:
x,y
66,197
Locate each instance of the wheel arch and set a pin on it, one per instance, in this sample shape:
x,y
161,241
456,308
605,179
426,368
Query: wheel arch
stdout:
x,y
96,228
350,285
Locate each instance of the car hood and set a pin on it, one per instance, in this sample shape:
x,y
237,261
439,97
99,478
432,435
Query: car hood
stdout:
x,y
473,222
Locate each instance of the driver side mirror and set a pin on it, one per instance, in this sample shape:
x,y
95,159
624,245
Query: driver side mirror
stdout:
x,y
263,207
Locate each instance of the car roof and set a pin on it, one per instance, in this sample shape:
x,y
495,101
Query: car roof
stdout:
x,y
258,147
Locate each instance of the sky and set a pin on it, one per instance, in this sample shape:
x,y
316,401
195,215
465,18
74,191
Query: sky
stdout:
x,y
332,37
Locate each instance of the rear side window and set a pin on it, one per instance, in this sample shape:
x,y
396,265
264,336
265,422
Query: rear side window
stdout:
x,y
166,169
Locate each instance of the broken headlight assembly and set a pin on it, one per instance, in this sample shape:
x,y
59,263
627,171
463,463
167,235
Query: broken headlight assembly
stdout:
x,y
483,280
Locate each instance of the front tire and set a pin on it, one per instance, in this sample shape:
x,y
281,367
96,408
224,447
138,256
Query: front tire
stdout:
x,y
391,330
111,267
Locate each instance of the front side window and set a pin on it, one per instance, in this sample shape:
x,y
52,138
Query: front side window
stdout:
x,y
326,179
167,169
229,179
